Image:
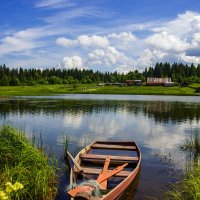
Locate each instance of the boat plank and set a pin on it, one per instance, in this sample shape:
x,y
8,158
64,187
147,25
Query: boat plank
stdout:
x,y
111,146
118,143
95,171
113,158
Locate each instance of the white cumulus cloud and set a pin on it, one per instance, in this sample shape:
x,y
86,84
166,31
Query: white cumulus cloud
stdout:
x,y
93,41
84,41
167,42
189,59
125,68
73,62
124,37
66,42
147,57
196,40
108,57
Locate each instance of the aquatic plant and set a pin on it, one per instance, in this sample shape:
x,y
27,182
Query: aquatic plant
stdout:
x,y
22,162
189,187
66,140
192,147
65,149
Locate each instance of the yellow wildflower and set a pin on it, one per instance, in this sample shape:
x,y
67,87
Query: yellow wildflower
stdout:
x,y
12,188
3,196
9,187
17,186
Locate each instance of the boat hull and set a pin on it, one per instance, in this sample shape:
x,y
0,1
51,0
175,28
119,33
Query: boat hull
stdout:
x,y
85,154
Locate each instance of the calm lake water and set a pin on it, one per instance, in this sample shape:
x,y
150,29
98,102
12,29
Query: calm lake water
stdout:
x,y
159,124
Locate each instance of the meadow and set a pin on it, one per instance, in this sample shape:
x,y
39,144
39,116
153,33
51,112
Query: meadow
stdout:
x,y
94,89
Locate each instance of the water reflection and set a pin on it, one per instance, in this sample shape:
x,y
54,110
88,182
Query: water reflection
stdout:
x,y
157,126
155,122
160,111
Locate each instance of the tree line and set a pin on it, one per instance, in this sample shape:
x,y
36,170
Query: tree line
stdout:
x,y
178,72
15,77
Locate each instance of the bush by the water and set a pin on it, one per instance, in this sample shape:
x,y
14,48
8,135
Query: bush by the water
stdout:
x,y
21,162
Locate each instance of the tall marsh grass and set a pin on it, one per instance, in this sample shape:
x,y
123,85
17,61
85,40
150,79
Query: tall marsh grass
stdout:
x,y
20,161
192,148
189,187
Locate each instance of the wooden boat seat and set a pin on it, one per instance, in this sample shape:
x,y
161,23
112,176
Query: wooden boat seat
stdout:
x,y
113,146
95,171
113,159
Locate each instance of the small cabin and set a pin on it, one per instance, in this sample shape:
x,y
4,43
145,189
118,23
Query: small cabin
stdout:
x,y
153,81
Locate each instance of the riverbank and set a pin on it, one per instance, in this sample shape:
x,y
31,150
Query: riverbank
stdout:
x,y
38,90
21,162
189,187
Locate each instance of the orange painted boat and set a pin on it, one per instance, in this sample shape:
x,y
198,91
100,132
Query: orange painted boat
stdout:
x,y
104,170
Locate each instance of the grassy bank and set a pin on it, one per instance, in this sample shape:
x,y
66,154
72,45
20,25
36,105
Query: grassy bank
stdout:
x,y
93,89
189,187
21,162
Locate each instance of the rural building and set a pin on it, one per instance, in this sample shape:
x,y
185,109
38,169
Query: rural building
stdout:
x,y
152,81
133,82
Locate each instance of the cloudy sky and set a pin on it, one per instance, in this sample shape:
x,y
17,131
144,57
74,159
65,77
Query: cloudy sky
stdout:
x,y
103,35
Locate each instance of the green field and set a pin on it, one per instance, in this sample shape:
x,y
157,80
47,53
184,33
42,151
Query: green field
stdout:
x,y
93,89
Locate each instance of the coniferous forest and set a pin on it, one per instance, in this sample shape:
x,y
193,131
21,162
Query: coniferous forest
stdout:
x,y
16,77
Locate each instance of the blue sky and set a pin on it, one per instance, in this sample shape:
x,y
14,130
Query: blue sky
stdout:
x,y
105,35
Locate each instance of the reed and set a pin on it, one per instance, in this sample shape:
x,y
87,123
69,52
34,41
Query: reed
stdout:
x,y
66,140
22,162
189,187
192,147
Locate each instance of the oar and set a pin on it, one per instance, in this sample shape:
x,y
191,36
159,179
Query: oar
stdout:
x,y
80,169
111,173
104,172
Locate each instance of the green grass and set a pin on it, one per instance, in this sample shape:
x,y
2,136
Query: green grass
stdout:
x,y
144,90
93,89
41,90
189,187
21,161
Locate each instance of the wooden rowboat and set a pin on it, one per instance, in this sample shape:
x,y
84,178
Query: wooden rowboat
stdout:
x,y
109,167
